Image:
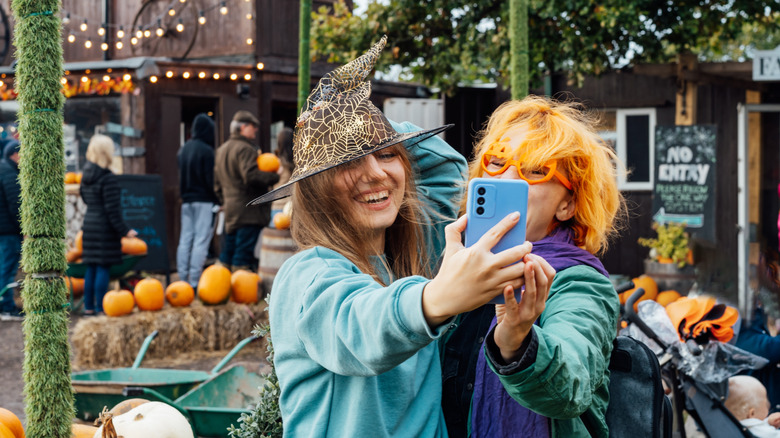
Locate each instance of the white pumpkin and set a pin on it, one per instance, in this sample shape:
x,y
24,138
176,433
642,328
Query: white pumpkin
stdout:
x,y
152,419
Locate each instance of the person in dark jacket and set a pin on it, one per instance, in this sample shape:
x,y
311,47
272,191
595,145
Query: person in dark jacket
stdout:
x,y
196,187
237,181
10,229
103,225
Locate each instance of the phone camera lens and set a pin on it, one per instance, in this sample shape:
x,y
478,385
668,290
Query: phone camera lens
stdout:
x,y
481,191
480,201
480,210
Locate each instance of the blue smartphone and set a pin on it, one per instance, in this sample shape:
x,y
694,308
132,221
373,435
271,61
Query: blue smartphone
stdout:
x,y
490,200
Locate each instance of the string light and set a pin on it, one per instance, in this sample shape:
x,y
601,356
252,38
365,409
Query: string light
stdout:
x,y
83,26
202,74
169,74
147,33
249,41
202,18
233,77
180,26
88,43
84,79
119,45
126,77
185,75
171,12
153,79
102,30
133,40
216,76
66,20
63,81
139,33
71,38
120,33
106,78
247,76
104,46
260,66
182,1
249,16
160,31
223,8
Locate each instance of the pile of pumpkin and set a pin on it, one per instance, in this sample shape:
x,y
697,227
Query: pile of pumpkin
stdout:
x,y
130,246
269,162
131,418
216,286
651,292
72,177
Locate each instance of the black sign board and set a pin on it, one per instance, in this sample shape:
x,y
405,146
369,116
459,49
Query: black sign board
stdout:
x,y
143,209
684,189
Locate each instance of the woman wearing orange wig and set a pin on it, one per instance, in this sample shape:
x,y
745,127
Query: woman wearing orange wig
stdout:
x,y
539,368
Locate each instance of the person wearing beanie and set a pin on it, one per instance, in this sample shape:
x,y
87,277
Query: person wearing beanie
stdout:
x,y
196,189
10,228
237,181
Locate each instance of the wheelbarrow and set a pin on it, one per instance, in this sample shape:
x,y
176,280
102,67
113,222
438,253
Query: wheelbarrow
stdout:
x,y
215,404
96,389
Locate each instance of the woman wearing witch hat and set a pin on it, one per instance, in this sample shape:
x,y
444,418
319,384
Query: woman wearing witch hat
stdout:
x,y
354,319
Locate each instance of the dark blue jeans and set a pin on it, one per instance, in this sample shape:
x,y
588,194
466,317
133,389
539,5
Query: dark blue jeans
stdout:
x,y
95,286
238,247
10,251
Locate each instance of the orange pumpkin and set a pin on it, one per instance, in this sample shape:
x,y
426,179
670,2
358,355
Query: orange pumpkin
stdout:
x,y
78,178
268,162
12,423
76,285
72,255
5,432
666,297
118,302
133,246
645,282
70,177
78,242
281,221
179,293
214,285
82,430
244,285
126,405
149,294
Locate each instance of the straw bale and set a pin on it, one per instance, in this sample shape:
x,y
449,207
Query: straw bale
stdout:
x,y
115,341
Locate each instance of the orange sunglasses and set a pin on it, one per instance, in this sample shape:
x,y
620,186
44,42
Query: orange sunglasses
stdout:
x,y
496,160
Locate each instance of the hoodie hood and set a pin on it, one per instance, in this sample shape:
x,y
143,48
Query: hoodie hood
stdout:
x,y
92,172
203,129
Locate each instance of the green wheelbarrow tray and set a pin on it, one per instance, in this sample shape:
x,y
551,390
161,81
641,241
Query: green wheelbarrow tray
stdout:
x,y
96,389
215,404
78,270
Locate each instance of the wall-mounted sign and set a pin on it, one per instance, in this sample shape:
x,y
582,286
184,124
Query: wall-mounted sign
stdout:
x,y
684,189
766,65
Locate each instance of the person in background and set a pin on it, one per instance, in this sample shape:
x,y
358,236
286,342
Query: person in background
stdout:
x,y
541,370
748,402
355,321
196,188
10,229
237,180
103,224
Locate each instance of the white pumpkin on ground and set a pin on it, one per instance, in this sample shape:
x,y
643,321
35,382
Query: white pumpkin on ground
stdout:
x,y
152,419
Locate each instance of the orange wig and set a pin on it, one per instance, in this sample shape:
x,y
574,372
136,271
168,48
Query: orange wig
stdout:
x,y
563,132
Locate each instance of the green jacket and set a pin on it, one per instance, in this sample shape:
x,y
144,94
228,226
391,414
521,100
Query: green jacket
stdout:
x,y
570,377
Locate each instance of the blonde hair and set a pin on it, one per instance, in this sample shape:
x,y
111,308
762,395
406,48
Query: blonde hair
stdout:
x,y
100,150
562,131
321,220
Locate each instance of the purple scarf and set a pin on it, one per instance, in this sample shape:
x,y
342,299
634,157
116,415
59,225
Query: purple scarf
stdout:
x,y
494,414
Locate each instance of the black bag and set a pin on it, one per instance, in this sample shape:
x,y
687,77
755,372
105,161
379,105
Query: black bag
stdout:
x,y
638,407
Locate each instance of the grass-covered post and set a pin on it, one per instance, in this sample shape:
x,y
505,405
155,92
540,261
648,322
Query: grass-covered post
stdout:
x,y
304,62
518,45
47,388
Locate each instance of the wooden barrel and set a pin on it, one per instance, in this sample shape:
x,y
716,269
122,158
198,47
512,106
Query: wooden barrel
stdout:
x,y
276,246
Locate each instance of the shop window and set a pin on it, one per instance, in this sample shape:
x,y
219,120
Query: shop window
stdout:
x,y
635,146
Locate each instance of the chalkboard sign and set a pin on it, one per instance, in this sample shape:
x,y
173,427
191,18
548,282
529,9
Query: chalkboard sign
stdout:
x,y
143,209
684,189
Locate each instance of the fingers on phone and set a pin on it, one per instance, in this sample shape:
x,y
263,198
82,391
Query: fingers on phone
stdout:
x,y
498,230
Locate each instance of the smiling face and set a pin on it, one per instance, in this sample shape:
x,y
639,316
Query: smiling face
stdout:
x,y
371,190
547,201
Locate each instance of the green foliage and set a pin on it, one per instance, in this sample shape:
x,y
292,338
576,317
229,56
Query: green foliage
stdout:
x,y
47,388
671,243
442,43
265,420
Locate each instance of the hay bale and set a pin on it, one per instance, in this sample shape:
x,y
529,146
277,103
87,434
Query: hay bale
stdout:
x,y
105,341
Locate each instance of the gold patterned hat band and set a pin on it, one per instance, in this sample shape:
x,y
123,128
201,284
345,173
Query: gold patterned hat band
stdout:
x,y
339,124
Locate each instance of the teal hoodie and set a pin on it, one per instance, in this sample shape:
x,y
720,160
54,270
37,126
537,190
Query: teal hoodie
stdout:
x,y
355,358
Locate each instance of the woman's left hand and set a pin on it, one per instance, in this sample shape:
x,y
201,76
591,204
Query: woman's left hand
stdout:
x,y
515,319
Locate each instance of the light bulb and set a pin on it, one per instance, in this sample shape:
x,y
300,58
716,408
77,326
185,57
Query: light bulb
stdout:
x,y
133,40
147,33
223,8
63,81
126,77
169,74
247,76
233,77
216,76
119,45
185,75
160,32
83,26
249,41
120,33
153,79
202,74
84,79
101,30
171,12
249,16
202,18
71,38
104,46
66,20
139,33
180,26
88,44
260,66
106,78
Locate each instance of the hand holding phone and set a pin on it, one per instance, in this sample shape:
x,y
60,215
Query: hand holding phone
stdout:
x,y
490,200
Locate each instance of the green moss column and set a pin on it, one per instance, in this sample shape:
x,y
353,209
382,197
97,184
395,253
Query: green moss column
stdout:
x,y
47,388
518,46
